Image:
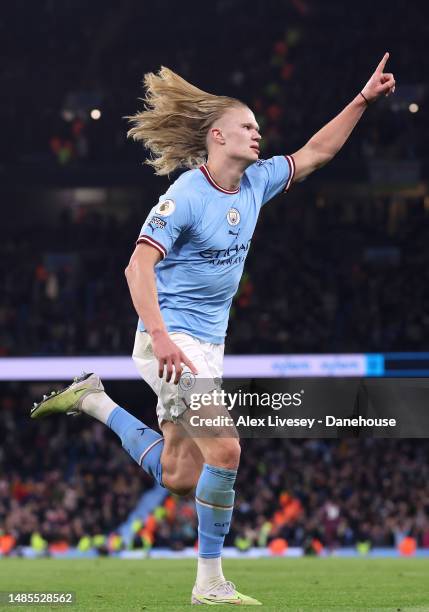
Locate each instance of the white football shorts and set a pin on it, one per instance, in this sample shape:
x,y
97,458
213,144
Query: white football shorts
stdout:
x,y
206,357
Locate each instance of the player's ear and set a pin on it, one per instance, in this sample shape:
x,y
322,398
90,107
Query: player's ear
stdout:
x,y
216,135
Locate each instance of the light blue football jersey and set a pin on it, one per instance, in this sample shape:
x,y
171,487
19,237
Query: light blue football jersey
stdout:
x,y
203,233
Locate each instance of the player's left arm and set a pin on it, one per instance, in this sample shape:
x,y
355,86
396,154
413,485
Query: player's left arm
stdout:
x,y
326,143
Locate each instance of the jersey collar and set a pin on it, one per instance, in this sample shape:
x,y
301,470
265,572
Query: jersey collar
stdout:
x,y
213,183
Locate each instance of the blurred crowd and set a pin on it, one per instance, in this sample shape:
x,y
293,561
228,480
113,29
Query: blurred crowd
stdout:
x,y
343,275
64,289
296,63
67,482
336,492
61,479
314,494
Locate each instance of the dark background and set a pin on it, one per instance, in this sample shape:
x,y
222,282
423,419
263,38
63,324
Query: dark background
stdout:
x,y
338,265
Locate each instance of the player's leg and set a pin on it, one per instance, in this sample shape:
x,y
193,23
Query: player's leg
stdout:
x,y
176,454
86,394
181,459
214,500
220,449
152,451
174,460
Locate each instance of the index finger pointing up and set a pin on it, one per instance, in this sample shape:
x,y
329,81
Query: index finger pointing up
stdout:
x,y
382,64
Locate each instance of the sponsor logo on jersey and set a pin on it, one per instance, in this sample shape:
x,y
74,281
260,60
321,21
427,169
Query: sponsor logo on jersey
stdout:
x,y
156,223
226,257
165,208
237,249
233,216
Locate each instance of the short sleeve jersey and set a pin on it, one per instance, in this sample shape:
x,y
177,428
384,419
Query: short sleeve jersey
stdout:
x,y
203,233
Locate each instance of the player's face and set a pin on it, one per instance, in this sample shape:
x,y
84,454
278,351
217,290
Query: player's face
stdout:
x,y
240,133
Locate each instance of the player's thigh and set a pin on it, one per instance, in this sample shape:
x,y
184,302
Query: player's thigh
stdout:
x,y
218,444
212,427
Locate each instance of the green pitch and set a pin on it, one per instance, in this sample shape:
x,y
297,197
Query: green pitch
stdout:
x,y
281,584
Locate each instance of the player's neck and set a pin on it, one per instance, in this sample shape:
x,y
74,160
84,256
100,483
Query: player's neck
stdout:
x,y
226,173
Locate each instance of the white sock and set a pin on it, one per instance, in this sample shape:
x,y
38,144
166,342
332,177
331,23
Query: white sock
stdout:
x,y
209,572
98,405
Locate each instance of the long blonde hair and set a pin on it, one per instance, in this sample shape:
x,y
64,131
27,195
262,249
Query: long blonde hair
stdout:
x,y
175,121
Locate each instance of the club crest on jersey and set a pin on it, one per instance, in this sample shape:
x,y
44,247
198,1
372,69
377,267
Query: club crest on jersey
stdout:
x,y
233,216
165,208
187,381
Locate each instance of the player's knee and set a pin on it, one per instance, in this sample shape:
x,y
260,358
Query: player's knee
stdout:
x,y
224,452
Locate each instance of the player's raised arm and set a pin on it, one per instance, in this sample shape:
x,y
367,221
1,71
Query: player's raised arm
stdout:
x,y
326,143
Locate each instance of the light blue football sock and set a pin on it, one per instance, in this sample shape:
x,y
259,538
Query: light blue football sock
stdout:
x,y
142,443
214,498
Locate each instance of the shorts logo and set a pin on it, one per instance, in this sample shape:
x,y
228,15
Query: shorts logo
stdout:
x,y
233,216
165,208
187,381
156,223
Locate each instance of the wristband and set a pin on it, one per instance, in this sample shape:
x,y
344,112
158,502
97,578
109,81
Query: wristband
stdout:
x,y
366,100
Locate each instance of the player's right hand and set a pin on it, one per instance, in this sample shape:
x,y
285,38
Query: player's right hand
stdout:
x,y
380,82
169,356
